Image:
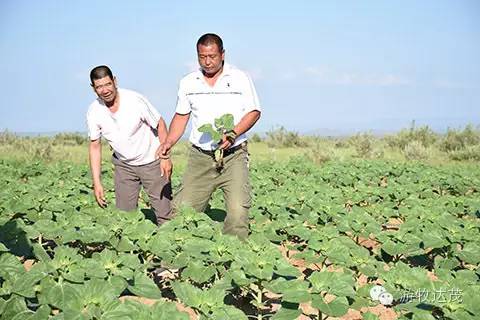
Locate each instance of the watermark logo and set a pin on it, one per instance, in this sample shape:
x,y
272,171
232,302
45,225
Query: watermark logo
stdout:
x,y
421,295
442,295
379,293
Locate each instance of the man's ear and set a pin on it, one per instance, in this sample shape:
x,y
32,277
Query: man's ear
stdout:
x,y
115,82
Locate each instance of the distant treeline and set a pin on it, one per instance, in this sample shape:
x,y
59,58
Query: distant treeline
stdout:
x,y
414,143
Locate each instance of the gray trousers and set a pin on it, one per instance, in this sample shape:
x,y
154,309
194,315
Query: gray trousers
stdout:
x,y
128,181
201,179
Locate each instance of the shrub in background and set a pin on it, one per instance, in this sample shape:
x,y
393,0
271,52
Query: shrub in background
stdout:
x,y
341,143
455,140
415,150
255,138
69,139
6,137
321,151
282,138
363,144
467,153
424,135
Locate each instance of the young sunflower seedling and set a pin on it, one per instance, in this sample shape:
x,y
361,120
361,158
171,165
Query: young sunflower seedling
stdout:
x,y
223,126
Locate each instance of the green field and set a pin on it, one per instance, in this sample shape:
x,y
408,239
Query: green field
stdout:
x,y
331,218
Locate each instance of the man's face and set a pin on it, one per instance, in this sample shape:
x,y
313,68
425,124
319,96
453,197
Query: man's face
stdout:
x,y
106,88
210,58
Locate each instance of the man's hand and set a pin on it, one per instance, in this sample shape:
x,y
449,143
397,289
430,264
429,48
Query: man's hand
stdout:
x,y
228,140
95,157
99,195
164,150
166,168
163,153
225,143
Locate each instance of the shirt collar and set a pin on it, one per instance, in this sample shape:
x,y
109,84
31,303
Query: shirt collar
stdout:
x,y
227,70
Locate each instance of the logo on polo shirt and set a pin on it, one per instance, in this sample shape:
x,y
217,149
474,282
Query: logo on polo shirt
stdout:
x,y
212,92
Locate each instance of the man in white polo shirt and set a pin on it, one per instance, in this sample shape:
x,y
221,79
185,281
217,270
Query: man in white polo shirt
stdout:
x,y
214,90
134,129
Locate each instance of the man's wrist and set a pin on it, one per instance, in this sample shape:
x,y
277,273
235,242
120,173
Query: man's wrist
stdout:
x,y
164,156
169,141
231,136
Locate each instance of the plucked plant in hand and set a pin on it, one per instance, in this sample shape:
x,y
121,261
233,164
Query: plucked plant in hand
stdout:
x,y
223,126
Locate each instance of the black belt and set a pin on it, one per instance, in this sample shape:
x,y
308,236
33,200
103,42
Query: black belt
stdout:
x,y
226,153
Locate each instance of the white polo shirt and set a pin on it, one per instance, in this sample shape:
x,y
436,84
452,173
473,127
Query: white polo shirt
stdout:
x,y
130,130
233,93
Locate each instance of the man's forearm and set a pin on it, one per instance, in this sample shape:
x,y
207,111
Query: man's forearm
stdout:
x,y
95,156
247,122
177,127
162,131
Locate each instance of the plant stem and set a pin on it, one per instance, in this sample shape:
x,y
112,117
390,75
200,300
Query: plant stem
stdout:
x,y
259,302
149,258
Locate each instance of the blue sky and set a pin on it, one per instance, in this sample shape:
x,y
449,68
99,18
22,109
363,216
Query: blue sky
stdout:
x,y
339,65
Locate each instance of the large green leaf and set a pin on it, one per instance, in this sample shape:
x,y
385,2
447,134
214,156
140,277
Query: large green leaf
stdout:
x,y
199,273
3,248
41,313
227,312
282,268
24,285
336,308
97,292
470,253
167,310
286,314
10,267
74,273
394,248
188,294
143,286
213,297
14,306
40,253
93,268
339,284
296,296
118,284
225,122
471,300
208,129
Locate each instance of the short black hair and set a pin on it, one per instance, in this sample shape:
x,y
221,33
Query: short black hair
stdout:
x,y
209,38
100,72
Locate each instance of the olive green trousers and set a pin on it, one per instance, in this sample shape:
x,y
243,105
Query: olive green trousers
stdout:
x,y
201,179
